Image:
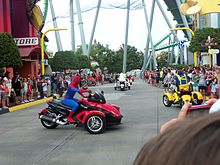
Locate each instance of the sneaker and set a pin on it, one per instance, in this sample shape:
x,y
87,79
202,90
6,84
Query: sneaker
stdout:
x,y
22,102
0,109
4,107
26,101
45,97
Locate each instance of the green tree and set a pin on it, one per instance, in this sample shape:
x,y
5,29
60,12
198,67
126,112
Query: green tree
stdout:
x,y
201,35
81,61
62,60
134,58
162,59
9,54
113,60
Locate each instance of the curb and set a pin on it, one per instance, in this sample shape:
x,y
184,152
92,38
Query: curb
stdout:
x,y
26,105
4,111
30,104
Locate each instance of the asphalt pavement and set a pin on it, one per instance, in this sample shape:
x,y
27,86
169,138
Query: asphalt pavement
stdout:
x,y
24,141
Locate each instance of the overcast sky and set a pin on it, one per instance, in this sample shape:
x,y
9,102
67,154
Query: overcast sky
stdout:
x,y
110,28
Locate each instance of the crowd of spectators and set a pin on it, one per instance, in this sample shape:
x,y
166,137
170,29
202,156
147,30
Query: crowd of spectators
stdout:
x,y
19,90
202,78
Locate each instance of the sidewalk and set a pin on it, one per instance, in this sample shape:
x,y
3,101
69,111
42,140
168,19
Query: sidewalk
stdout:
x,y
26,105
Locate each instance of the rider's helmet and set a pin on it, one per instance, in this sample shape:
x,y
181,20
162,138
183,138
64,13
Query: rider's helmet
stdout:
x,y
75,82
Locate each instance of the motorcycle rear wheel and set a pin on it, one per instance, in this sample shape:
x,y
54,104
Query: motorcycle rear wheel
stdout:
x,y
47,124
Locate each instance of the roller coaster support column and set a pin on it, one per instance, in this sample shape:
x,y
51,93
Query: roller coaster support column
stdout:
x,y
184,20
72,26
94,26
58,41
185,28
126,39
42,46
148,40
84,48
168,23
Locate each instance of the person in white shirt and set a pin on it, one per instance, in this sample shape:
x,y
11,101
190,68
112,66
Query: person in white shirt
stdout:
x,y
44,85
121,77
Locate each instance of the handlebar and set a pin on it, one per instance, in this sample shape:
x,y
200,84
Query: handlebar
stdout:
x,y
82,91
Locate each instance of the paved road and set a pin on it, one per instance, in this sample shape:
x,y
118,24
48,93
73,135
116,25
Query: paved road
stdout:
x,y
23,141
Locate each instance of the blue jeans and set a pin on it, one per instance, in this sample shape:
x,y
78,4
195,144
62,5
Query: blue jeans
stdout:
x,y
72,103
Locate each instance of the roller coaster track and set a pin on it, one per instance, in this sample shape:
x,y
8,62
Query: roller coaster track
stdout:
x,y
166,46
158,47
45,10
161,40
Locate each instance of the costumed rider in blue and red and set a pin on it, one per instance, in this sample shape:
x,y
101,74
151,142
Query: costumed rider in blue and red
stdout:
x,y
69,96
181,78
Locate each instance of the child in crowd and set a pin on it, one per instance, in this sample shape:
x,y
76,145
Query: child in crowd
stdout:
x,y
0,94
172,87
195,79
22,90
4,92
30,90
25,90
214,88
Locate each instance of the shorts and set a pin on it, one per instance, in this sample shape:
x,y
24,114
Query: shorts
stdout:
x,y
4,95
17,92
203,87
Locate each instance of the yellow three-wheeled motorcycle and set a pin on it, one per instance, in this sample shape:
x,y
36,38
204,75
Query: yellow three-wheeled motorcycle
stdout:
x,y
182,95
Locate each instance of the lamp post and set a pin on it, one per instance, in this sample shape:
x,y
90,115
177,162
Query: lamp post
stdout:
x,y
42,47
194,54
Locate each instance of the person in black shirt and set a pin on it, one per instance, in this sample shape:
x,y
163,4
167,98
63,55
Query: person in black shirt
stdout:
x,y
16,86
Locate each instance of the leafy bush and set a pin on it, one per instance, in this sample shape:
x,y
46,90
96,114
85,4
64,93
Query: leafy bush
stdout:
x,y
9,54
201,35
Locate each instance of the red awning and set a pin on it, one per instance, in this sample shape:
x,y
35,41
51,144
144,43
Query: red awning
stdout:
x,y
32,53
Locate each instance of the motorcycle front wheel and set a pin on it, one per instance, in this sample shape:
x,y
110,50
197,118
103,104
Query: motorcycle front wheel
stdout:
x,y
95,124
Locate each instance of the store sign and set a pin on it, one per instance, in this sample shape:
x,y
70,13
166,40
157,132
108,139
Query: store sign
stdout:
x,y
29,41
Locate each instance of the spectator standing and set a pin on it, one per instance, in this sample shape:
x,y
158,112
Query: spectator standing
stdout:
x,y
4,89
44,86
214,88
16,85
0,93
60,86
35,90
39,87
195,79
25,90
48,87
30,90
202,83
54,83
9,86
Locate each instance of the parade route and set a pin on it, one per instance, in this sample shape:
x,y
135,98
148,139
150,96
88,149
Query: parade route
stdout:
x,y
23,140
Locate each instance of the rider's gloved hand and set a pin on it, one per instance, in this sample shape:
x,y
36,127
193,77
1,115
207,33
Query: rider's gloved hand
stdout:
x,y
84,91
